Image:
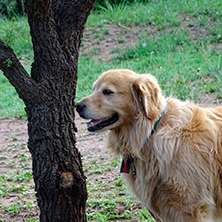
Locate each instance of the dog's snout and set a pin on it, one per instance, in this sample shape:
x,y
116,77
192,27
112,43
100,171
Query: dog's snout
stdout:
x,y
80,107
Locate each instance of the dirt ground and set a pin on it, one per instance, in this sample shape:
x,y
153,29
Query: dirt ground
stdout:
x,y
13,144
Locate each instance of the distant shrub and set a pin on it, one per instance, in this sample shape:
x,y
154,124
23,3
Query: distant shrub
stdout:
x,y
10,8
104,3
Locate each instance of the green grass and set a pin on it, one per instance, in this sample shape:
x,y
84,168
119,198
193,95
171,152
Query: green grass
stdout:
x,y
10,104
169,50
16,184
14,33
180,49
107,198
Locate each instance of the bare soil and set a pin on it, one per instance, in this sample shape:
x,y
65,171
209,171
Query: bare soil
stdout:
x,y
105,43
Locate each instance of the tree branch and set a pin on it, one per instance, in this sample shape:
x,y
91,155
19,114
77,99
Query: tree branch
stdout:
x,y
61,25
55,49
17,76
46,45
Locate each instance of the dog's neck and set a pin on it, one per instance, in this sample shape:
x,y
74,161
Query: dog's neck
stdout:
x,y
127,160
130,140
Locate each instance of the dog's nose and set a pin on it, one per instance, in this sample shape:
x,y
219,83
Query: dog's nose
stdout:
x,y
80,107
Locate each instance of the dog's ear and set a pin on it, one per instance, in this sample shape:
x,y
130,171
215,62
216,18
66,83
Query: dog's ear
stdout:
x,y
145,91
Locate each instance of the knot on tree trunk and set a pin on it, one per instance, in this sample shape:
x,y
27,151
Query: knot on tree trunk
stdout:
x,y
66,179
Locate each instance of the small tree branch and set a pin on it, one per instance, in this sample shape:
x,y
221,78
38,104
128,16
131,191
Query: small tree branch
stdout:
x,y
17,76
61,25
46,46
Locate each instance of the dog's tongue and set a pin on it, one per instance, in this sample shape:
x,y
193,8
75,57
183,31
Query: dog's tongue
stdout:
x,y
95,122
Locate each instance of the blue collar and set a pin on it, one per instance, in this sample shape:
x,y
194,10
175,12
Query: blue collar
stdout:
x,y
155,125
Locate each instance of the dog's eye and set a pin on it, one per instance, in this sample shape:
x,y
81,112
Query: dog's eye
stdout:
x,y
107,92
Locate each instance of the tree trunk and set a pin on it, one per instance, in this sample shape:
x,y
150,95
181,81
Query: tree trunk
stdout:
x,y
56,28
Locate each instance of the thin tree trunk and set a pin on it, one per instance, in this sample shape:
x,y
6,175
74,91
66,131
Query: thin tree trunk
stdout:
x,y
56,28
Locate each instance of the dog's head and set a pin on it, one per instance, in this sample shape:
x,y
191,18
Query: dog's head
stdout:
x,y
118,97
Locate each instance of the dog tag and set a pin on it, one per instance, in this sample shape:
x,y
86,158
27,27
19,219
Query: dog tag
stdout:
x,y
125,166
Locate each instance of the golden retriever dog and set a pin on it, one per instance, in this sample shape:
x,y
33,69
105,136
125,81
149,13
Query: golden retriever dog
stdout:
x,y
172,150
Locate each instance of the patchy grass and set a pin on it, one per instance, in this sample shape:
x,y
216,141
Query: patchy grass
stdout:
x,y
107,197
179,42
16,184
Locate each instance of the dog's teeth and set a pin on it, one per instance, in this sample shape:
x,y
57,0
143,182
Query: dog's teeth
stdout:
x,y
90,124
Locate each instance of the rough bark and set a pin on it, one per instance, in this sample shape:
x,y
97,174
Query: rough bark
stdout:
x,y
56,28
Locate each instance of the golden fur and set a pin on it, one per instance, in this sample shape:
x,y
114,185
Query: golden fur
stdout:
x,y
178,167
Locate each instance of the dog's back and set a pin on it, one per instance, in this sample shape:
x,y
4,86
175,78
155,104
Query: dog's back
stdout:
x,y
215,115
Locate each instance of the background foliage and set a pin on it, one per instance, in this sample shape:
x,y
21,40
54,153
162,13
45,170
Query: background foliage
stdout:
x,y
105,4
10,8
178,41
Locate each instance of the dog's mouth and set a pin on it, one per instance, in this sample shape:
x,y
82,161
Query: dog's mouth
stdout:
x,y
98,124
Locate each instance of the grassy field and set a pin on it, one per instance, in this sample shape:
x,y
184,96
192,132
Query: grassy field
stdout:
x,y
182,48
180,42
